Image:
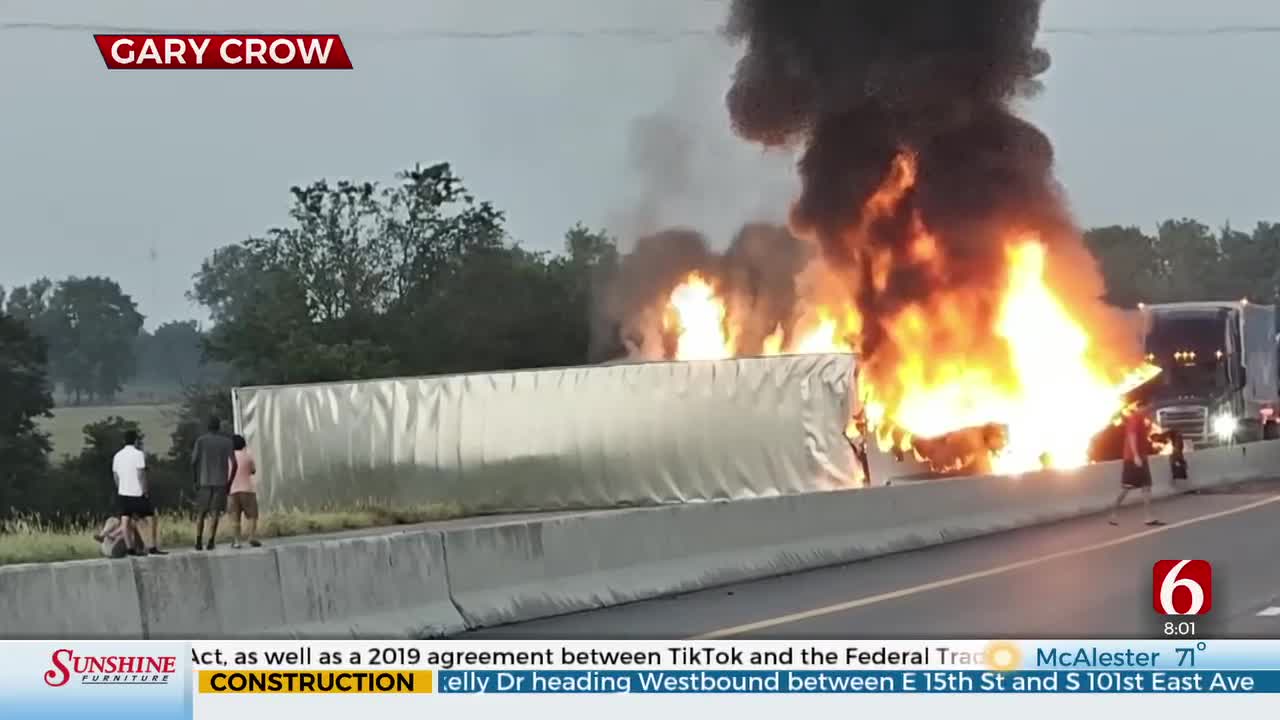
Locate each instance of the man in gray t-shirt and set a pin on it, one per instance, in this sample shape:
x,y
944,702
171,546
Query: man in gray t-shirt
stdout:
x,y
213,464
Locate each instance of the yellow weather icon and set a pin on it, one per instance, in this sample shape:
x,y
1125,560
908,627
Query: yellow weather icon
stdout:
x,y
1003,656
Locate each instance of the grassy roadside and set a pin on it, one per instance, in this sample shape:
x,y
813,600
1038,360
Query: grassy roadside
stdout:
x,y
31,539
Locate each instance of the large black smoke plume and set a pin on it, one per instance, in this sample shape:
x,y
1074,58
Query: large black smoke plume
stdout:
x,y
855,83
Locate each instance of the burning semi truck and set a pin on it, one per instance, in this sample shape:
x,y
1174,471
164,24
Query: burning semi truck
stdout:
x,y
1218,379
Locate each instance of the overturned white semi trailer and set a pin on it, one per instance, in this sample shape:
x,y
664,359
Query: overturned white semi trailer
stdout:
x,y
583,437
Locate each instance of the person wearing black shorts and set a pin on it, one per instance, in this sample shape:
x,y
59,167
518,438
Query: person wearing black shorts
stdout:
x,y
134,508
133,502
1135,473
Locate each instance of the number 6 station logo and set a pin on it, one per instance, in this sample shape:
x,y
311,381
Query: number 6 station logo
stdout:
x,y
1182,587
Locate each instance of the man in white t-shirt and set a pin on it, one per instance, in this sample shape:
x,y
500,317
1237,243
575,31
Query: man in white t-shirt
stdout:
x,y
133,502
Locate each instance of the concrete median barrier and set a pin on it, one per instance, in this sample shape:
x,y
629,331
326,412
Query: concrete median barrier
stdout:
x,y
218,594
368,586
510,572
482,572
1218,466
379,586
505,573
87,599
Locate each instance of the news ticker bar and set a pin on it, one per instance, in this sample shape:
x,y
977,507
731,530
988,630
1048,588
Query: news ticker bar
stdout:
x,y
1188,654
612,682
744,667
769,667
171,676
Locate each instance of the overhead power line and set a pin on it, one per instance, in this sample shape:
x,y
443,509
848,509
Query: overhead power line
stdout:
x,y
457,34
1152,31
632,33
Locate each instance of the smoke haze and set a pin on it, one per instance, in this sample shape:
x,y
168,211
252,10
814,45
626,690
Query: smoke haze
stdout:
x,y
757,276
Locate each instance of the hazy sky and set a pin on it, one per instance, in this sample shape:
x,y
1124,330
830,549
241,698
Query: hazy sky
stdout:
x,y
99,168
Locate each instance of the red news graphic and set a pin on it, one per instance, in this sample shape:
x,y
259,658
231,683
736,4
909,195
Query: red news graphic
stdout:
x,y
109,669
1182,587
223,52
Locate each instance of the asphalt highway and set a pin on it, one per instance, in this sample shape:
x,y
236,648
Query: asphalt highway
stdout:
x,y
1082,578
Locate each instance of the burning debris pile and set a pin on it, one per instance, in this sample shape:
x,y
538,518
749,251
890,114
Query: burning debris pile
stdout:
x,y
929,236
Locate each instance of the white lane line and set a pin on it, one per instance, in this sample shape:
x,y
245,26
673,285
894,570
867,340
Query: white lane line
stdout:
x,y
1269,612
947,582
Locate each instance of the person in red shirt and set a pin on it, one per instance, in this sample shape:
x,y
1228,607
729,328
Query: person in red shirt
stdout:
x,y
1136,469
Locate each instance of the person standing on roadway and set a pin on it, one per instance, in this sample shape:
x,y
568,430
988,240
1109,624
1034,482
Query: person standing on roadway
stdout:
x,y
1136,470
213,465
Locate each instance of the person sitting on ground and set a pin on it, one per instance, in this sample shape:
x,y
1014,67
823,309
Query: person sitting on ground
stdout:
x,y
112,542
110,526
243,500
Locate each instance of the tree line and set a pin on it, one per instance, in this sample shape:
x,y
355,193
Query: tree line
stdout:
x,y
364,280
95,343
414,277
1187,260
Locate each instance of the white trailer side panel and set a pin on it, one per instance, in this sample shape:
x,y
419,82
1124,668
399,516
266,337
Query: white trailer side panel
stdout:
x,y
601,436
1259,339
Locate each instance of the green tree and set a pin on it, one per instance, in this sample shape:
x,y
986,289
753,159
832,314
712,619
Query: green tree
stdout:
x,y
30,304
334,249
345,289
586,268
1250,262
199,403
1190,261
90,326
1267,236
27,302
506,307
264,325
173,354
1187,261
431,223
259,311
496,310
1129,262
24,398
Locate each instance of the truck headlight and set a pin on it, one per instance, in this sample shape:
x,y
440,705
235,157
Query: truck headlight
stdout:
x,y
1224,426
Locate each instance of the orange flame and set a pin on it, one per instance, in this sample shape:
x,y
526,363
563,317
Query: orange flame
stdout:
x,y
699,321
1041,381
